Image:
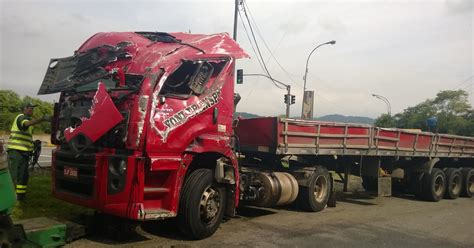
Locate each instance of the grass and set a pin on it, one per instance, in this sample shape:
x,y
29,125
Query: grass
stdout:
x,y
41,203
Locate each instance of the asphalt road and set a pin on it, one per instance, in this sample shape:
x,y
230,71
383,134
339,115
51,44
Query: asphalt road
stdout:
x,y
359,220
45,157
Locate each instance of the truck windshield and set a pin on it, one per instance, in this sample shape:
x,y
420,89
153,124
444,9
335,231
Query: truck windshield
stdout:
x,y
192,77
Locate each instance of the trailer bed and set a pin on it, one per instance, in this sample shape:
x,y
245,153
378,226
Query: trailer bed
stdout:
x,y
303,137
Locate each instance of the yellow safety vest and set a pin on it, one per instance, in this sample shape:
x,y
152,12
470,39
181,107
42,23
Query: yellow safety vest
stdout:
x,y
20,140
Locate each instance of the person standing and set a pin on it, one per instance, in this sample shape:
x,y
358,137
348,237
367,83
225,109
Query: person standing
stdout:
x,y
20,147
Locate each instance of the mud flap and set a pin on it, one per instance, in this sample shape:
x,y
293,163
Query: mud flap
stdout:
x,y
384,186
332,194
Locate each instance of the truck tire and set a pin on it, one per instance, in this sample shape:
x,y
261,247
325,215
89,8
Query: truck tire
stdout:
x,y
315,196
202,205
453,183
370,183
433,185
468,182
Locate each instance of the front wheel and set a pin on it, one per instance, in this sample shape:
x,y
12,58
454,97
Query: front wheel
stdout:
x,y
201,205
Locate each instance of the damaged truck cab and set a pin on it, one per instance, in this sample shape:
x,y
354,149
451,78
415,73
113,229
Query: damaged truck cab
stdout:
x,y
143,127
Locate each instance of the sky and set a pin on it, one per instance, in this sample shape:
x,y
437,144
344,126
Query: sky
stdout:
x,y
406,51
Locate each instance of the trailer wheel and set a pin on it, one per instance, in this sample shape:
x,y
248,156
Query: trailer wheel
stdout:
x,y
433,185
201,205
453,183
468,182
370,183
315,196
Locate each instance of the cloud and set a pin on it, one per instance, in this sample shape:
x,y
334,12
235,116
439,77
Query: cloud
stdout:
x,y
404,50
459,6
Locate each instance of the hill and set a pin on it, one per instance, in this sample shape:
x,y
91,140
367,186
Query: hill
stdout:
x,y
328,118
347,119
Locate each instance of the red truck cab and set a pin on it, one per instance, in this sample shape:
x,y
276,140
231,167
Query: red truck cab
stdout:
x,y
138,113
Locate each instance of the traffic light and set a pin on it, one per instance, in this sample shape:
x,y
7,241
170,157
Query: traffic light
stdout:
x,y
240,76
287,98
292,99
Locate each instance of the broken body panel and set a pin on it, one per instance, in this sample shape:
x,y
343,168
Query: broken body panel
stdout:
x,y
134,110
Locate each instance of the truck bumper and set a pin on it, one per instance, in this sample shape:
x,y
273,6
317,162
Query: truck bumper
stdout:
x,y
108,182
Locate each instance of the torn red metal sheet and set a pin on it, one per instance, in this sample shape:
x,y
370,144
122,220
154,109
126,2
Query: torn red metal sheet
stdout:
x,y
220,43
103,117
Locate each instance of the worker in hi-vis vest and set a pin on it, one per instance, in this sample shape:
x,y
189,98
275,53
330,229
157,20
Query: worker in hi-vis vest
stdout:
x,y
20,147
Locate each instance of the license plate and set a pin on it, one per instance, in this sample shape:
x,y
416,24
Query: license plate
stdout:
x,y
70,172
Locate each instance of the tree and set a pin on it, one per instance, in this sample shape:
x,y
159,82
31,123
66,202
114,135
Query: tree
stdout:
x,y
10,107
451,108
385,120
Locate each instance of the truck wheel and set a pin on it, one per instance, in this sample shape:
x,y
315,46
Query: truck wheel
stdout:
x,y
433,185
370,183
468,182
314,197
201,205
453,183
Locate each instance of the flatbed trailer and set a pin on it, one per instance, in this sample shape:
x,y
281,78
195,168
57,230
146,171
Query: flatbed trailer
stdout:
x,y
378,155
303,137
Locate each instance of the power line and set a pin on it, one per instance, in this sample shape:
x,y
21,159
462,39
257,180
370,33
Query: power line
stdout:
x,y
463,82
251,43
265,43
258,48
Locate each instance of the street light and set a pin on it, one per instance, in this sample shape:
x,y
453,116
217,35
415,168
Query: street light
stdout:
x,y
306,70
389,107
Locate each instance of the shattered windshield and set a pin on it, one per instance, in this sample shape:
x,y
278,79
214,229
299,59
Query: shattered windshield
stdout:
x,y
192,77
66,73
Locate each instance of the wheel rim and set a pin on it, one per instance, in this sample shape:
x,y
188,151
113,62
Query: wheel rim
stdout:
x,y
456,184
470,184
439,185
209,205
320,188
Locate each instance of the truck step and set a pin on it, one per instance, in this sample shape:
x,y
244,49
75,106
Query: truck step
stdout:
x,y
154,214
151,190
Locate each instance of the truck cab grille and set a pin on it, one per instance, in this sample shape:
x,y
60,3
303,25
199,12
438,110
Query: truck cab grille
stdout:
x,y
75,173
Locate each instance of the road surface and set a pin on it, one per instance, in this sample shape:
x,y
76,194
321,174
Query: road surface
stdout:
x,y
359,220
45,157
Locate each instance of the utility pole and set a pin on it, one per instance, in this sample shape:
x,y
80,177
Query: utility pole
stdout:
x,y
236,12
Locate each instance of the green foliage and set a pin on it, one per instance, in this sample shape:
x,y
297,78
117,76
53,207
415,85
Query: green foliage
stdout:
x,y
451,107
10,104
385,120
40,202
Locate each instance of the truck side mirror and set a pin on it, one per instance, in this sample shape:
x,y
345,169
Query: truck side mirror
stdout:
x,y
240,76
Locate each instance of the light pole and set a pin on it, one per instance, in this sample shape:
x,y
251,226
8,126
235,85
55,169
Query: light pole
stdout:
x,y
384,99
306,71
